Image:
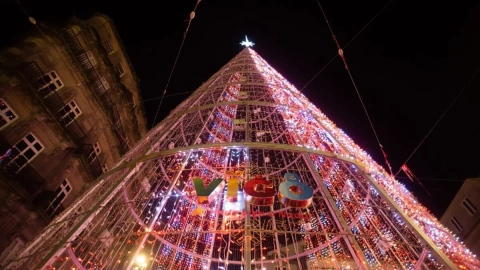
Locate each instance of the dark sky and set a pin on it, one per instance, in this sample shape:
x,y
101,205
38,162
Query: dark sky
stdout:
x,y
409,65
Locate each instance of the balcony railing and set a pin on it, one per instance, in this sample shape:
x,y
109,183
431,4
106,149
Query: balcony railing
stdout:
x,y
52,100
55,104
94,80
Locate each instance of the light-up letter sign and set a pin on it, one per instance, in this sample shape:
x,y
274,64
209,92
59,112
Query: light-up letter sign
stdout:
x,y
232,185
203,193
294,193
261,191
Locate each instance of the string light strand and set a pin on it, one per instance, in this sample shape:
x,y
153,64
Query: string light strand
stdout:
x,y
192,15
438,120
341,54
344,47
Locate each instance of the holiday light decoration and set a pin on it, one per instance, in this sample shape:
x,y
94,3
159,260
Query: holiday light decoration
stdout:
x,y
205,189
247,43
292,192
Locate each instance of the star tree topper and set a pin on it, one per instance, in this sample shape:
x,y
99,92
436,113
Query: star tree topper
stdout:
x,y
247,43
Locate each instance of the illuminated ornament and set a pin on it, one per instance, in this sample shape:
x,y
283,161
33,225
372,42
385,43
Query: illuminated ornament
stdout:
x,y
260,133
198,211
308,226
294,193
247,43
146,184
384,245
243,95
261,191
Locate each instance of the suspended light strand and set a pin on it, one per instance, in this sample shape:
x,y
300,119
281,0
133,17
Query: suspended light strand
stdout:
x,y
441,117
192,15
340,52
344,47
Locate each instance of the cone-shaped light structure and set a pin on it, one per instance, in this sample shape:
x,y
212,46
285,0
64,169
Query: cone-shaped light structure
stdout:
x,y
246,174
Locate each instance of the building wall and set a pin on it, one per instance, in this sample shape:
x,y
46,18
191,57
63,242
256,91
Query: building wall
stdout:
x,y
105,32
462,216
73,149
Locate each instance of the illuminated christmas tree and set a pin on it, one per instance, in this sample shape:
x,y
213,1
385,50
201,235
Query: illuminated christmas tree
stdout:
x,y
246,174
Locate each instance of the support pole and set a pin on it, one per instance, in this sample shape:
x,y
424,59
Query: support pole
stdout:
x,y
356,251
419,263
437,253
247,247
157,214
277,243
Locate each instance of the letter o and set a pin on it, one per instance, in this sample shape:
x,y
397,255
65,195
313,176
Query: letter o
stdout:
x,y
294,193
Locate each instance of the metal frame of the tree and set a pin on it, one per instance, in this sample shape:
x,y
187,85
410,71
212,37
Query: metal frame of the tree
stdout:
x,y
247,118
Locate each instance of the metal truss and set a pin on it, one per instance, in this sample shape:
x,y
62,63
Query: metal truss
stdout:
x,y
143,214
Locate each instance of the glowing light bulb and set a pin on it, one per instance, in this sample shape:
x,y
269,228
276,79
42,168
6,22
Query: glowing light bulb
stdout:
x,y
141,260
247,43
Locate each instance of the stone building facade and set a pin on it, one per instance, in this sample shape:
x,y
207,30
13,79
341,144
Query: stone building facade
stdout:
x,y
70,106
462,216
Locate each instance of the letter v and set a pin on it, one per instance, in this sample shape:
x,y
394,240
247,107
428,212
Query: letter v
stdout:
x,y
202,191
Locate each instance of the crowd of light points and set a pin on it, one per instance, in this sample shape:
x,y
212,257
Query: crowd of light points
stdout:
x,y
304,122
162,210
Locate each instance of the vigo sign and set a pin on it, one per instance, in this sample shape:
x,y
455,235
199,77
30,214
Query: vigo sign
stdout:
x,y
291,193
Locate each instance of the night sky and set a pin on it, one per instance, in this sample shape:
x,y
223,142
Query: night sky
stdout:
x,y
408,64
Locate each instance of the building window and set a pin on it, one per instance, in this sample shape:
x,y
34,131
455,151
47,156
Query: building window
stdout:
x,y
457,224
469,205
108,46
94,154
96,148
24,151
60,194
69,113
105,168
119,69
48,83
6,114
104,83
12,249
